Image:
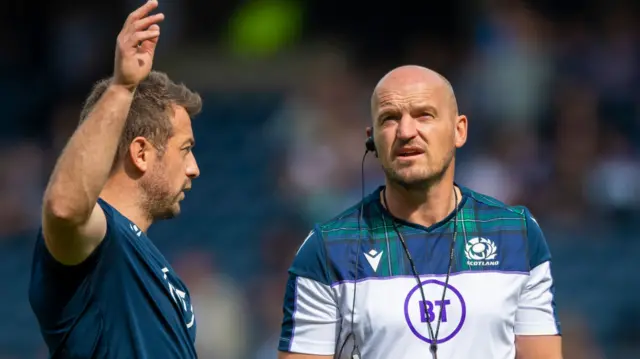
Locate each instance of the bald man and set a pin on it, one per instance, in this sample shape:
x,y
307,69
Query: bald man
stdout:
x,y
422,267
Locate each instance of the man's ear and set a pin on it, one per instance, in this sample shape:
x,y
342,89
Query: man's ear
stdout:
x,y
461,127
140,151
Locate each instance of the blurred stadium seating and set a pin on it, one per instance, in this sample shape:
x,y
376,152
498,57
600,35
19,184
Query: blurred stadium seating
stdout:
x,y
552,92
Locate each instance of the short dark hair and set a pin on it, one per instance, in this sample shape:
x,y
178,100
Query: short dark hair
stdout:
x,y
151,109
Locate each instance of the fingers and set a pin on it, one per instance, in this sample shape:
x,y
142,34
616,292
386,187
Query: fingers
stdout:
x,y
146,22
142,11
139,27
142,36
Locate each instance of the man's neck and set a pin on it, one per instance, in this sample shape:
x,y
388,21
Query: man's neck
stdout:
x,y
123,195
425,207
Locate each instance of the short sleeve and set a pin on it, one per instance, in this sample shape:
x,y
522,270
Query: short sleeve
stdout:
x,y
53,285
42,253
311,316
536,313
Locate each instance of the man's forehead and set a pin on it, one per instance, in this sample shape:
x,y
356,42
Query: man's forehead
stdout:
x,y
181,122
410,85
181,119
413,90
410,94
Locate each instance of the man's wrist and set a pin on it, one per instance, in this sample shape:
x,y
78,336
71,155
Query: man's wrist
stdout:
x,y
127,90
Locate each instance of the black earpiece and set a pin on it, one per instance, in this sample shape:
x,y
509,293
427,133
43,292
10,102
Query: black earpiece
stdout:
x,y
370,144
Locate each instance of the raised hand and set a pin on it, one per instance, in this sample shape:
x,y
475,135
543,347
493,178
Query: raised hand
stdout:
x,y
136,45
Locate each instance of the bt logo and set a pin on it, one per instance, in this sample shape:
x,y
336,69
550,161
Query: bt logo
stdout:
x,y
418,312
426,310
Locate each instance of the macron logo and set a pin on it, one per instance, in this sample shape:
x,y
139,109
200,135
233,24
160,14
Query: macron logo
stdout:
x,y
135,229
373,257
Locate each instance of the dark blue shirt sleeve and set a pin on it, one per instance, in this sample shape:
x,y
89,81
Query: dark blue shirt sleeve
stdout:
x,y
54,286
536,242
537,314
310,313
311,259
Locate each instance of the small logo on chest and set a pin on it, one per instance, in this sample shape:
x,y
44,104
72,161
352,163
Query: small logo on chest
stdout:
x,y
181,299
135,229
373,257
481,252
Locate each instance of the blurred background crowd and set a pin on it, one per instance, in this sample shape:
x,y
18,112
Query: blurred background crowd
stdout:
x,y
551,88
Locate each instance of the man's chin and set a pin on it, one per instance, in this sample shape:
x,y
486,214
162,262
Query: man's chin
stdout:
x,y
170,213
175,211
410,179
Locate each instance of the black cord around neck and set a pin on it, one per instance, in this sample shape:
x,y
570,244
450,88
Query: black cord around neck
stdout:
x,y
433,348
355,353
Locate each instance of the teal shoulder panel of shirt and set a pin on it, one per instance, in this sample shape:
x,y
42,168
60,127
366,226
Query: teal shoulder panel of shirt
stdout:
x,y
363,242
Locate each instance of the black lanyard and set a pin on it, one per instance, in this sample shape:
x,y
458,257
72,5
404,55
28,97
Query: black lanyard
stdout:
x,y
433,348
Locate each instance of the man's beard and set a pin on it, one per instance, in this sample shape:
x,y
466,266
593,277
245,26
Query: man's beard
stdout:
x,y
158,201
423,180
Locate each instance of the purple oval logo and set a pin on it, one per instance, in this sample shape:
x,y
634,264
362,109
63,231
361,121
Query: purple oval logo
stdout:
x,y
452,309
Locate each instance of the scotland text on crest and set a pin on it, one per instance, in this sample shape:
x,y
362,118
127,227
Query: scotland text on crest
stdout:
x,y
481,252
